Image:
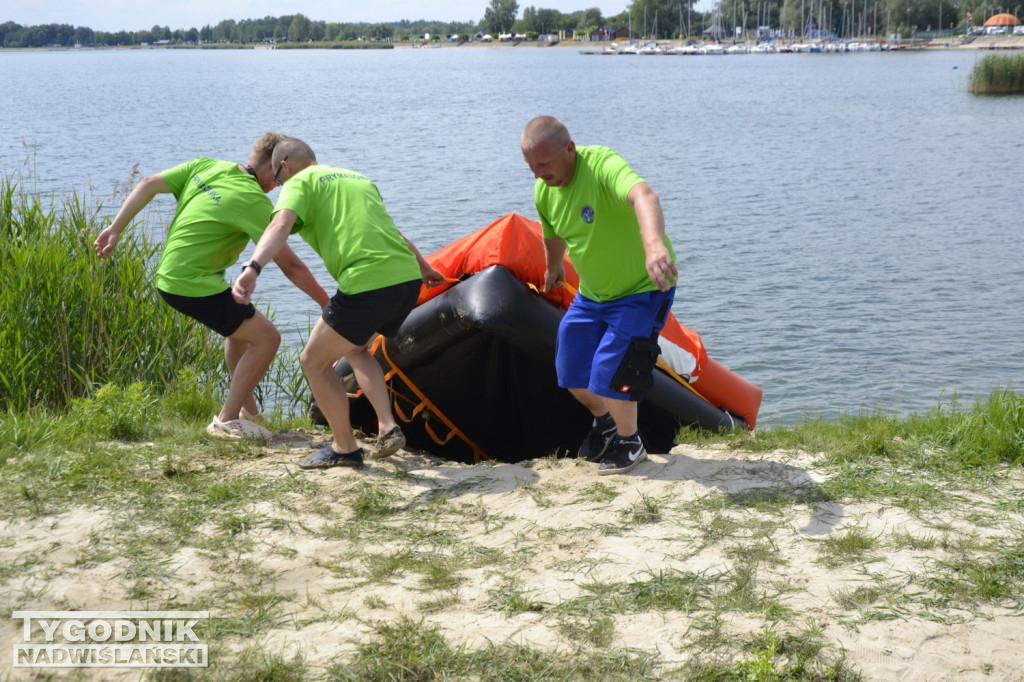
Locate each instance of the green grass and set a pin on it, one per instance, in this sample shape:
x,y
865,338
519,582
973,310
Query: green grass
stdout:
x,y
417,650
998,74
70,322
966,579
779,657
849,546
953,443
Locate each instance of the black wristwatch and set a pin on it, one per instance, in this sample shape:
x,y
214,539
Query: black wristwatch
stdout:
x,y
254,265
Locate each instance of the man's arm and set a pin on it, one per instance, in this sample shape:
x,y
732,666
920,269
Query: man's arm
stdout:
x,y
299,273
274,237
554,253
430,276
143,193
660,266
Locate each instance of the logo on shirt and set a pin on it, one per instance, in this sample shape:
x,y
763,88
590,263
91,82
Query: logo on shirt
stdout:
x,y
587,213
203,187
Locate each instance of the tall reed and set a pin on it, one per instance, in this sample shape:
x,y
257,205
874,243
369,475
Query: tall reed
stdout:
x,y
70,322
998,74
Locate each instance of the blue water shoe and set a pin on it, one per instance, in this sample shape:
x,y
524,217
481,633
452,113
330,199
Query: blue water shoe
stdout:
x,y
327,458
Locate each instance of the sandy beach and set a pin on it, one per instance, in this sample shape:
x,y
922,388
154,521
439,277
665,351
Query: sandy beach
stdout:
x,y
530,553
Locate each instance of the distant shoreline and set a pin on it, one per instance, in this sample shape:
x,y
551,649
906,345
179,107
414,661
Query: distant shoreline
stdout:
x,y
959,42
993,43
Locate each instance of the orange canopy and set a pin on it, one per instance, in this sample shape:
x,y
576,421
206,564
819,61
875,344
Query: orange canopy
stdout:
x,y
1003,19
513,241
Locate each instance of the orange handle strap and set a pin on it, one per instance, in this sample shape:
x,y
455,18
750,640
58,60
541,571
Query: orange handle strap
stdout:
x,y
415,411
451,434
425,403
440,440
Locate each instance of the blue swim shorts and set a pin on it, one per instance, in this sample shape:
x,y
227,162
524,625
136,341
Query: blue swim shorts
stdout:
x,y
611,348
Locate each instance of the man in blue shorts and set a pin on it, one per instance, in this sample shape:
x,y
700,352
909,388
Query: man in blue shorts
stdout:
x,y
593,205
341,214
222,205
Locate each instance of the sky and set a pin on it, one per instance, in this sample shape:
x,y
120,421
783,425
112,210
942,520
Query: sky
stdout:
x,y
134,15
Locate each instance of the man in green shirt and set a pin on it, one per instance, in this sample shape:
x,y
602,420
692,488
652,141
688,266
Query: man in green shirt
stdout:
x,y
222,205
341,214
592,204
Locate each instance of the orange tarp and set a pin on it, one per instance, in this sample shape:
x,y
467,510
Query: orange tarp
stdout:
x,y
512,241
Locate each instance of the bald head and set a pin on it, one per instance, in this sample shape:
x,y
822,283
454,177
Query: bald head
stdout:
x,y
291,155
545,131
549,151
297,151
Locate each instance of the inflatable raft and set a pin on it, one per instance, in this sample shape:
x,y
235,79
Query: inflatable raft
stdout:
x,y
471,371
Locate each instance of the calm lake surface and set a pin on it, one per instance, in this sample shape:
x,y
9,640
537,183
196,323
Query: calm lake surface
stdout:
x,y
848,226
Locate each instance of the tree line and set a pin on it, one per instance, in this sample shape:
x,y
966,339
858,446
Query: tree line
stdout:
x,y
499,17
288,28
661,19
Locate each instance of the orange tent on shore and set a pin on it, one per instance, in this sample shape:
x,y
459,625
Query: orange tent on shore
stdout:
x,y
1003,19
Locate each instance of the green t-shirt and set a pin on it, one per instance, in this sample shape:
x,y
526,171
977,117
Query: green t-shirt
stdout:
x,y
342,216
220,208
599,226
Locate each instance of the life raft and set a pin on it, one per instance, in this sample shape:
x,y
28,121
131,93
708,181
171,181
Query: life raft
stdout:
x,y
471,371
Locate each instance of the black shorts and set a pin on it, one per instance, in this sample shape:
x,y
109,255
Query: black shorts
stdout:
x,y
220,312
357,317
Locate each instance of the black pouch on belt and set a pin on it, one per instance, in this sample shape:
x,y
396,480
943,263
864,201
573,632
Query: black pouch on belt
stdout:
x,y
635,375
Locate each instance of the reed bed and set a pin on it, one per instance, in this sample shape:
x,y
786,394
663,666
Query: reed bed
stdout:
x,y
998,74
70,322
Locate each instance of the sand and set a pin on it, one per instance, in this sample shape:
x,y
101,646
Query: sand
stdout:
x,y
562,529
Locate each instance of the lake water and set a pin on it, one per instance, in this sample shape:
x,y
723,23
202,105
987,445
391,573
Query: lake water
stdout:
x,y
848,226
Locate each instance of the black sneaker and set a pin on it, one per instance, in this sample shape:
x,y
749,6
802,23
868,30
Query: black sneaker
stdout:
x,y
623,454
598,439
327,458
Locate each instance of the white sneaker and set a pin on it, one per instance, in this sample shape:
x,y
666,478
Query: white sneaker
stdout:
x,y
237,428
